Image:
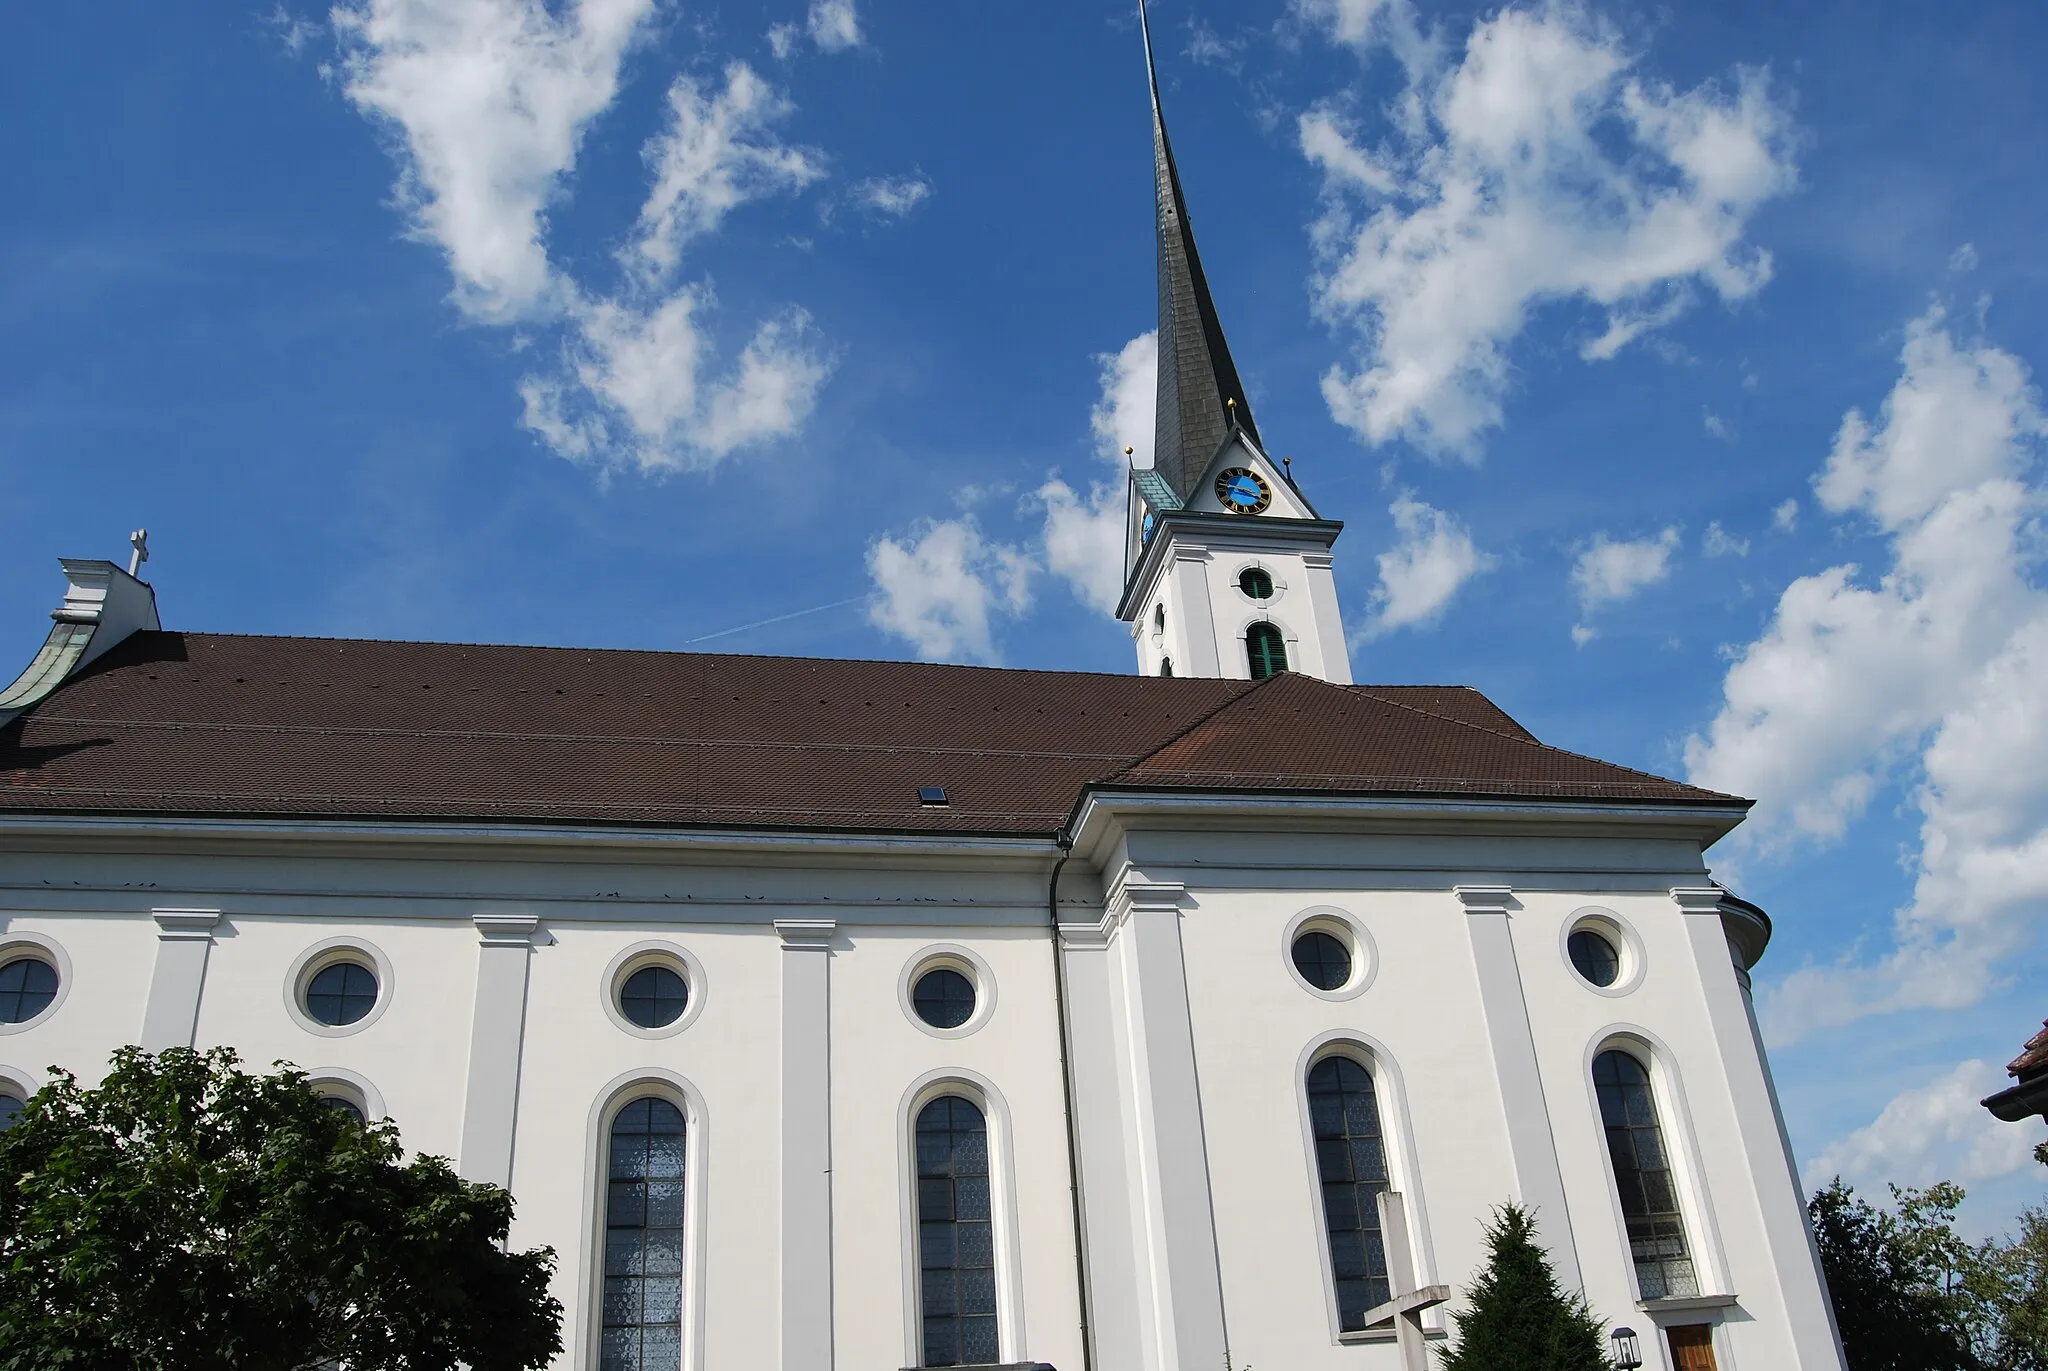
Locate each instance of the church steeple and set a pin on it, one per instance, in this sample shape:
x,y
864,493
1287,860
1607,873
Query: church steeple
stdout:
x,y
1197,380
1227,567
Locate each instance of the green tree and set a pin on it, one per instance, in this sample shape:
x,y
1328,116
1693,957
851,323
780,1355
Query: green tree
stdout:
x,y
186,1214
1518,1319
2009,1285
1902,1283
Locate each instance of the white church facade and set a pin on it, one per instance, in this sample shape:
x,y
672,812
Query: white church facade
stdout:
x,y
863,1015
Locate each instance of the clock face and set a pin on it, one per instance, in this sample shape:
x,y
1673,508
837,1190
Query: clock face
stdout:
x,y
1243,491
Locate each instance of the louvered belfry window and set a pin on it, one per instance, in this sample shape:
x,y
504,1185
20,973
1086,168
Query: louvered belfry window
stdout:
x,y
643,1239
1643,1177
955,1235
1266,650
1351,1163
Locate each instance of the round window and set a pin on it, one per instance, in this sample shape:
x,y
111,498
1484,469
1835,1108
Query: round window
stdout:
x,y
1323,961
654,997
1255,582
943,998
10,1110
341,993
1594,956
342,1104
27,985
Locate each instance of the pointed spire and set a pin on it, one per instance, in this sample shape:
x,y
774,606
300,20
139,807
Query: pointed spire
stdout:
x,y
1197,379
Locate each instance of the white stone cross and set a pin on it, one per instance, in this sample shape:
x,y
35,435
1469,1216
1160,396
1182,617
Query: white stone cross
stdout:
x,y
139,540
1404,1310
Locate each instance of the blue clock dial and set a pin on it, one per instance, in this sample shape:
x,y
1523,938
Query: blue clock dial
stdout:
x,y
1243,491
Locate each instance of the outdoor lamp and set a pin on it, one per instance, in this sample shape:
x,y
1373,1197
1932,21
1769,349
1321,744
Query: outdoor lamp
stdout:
x,y
1627,1356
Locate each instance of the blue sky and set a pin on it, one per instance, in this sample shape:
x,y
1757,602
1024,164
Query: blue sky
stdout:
x,y
1671,367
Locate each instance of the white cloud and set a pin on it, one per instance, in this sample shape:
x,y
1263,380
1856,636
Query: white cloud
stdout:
x,y
1935,673
782,40
1963,258
1785,518
1714,424
833,25
1084,533
942,586
486,103
293,32
1719,542
1535,167
1433,557
1583,634
1608,571
716,155
1930,1133
890,196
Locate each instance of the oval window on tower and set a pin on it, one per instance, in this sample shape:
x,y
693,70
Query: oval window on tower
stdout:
x,y
1256,582
943,998
341,993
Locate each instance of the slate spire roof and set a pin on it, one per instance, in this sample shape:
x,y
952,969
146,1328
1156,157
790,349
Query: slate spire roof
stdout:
x,y
1196,375
234,726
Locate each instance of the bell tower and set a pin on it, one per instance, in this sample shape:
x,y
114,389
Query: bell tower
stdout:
x,y
1227,566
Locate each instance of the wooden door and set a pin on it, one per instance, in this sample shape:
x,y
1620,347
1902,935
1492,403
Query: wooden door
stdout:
x,y
1692,1347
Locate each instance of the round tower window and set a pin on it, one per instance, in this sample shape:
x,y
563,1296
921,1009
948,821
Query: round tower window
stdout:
x,y
341,993
943,998
1323,961
654,997
1594,957
1256,582
27,985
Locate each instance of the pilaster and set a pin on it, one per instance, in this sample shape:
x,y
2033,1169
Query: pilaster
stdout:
x,y
1174,1222
806,1295
1533,1147
1781,1200
497,1035
170,1017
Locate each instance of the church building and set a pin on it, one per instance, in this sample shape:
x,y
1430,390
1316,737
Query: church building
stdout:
x,y
865,1015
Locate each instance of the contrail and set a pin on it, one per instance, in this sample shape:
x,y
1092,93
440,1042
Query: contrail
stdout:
x,y
793,614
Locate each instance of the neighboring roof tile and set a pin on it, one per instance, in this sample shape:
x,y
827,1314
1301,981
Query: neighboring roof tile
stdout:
x,y
224,724
2033,1059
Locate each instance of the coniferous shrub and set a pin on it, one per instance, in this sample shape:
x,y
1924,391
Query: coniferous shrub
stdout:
x,y
1517,1318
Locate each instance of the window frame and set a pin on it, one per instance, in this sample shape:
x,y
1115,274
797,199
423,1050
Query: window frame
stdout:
x,y
652,952
587,1330
1599,919
19,1084
1003,1212
317,959
24,943
334,1082
1279,634
947,957
1347,929
1681,1145
1404,1172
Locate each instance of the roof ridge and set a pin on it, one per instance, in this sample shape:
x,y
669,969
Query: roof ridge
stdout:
x,y
1531,740
1252,689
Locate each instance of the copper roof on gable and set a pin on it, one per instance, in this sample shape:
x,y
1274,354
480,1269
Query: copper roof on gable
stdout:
x,y
234,725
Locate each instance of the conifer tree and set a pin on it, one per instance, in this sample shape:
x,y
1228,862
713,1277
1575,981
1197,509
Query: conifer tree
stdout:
x,y
1518,1319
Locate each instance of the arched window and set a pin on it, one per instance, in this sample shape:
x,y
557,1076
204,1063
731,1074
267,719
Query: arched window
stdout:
x,y
1351,1163
955,1235
1266,650
643,1239
1642,1176
1166,666
10,1110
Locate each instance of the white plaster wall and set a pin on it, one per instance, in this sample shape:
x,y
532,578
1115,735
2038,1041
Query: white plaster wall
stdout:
x,y
112,956
879,1054
416,1052
728,1052
1253,1023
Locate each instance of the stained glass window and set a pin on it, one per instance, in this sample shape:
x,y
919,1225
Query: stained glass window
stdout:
x,y
1595,957
1322,960
1266,649
1642,1175
643,1240
943,998
27,985
955,1235
1351,1162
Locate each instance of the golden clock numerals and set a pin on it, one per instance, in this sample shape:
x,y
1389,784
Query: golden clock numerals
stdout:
x,y
1231,488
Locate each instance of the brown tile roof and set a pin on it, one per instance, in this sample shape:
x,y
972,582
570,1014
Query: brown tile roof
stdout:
x,y
2033,1058
225,724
